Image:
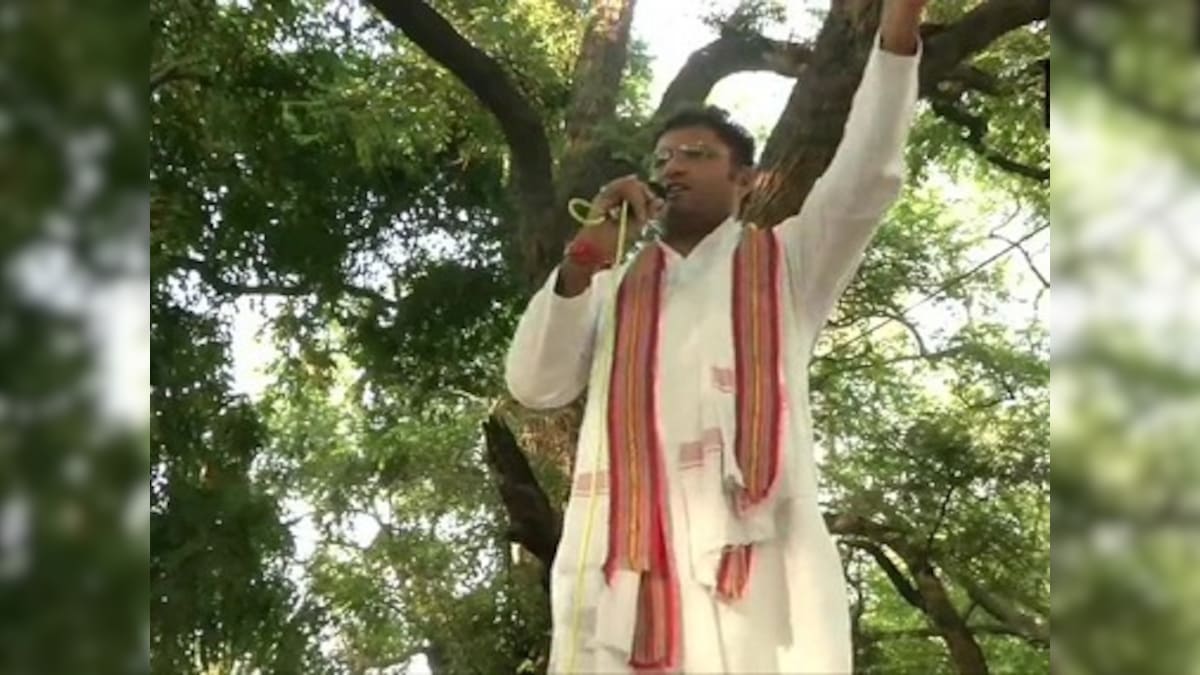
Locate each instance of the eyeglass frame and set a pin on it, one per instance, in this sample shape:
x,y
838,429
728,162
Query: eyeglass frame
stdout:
x,y
701,152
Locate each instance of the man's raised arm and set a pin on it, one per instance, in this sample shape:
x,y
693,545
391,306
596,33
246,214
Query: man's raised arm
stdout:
x,y
825,242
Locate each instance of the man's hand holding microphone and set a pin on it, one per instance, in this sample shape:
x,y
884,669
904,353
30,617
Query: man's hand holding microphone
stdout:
x,y
595,246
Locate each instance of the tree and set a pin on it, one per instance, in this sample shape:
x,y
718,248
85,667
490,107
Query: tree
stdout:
x,y
359,172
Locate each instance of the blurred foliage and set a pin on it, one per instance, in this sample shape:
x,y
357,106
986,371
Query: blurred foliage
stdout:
x,y
1127,370
73,463
311,167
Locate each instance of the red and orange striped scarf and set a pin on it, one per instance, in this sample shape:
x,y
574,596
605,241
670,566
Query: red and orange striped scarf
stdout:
x,y
638,527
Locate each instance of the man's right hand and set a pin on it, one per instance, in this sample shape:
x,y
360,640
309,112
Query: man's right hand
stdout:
x,y
602,237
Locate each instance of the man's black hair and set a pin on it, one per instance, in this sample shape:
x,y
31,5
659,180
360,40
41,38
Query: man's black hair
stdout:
x,y
740,142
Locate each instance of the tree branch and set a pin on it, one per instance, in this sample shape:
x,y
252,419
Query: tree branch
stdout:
x,y
935,599
520,123
896,314
941,517
220,285
946,47
1028,258
731,53
903,586
819,379
1028,627
976,128
849,524
916,633
598,69
533,521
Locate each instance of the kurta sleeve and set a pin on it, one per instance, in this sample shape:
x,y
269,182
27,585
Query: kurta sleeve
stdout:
x,y
551,354
824,243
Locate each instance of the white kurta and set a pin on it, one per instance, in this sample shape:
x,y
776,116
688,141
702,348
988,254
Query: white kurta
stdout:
x,y
794,617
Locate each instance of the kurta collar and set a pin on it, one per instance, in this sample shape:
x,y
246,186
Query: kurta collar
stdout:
x,y
721,239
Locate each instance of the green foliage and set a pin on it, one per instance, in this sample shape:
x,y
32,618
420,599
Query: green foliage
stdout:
x,y
218,543
747,16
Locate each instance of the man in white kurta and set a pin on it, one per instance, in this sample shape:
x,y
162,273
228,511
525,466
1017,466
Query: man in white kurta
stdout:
x,y
793,617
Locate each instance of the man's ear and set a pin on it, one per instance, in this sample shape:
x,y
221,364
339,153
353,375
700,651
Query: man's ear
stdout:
x,y
744,181
745,177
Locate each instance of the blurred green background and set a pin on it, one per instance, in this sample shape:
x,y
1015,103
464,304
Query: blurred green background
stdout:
x,y
74,283
1125,424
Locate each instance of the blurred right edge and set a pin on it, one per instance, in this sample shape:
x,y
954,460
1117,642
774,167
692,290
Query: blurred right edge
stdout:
x,y
1125,423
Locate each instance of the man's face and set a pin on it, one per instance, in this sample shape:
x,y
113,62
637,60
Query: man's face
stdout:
x,y
702,180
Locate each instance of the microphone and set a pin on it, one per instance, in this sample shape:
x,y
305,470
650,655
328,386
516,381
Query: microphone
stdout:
x,y
656,187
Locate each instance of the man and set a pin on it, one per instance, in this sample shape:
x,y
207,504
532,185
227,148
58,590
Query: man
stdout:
x,y
692,540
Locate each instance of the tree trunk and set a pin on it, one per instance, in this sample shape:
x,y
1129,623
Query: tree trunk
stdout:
x,y
808,133
964,649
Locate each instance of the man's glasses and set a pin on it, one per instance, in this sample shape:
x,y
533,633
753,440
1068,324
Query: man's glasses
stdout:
x,y
688,152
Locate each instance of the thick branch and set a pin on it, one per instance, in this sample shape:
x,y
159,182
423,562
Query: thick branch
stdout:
x,y
731,53
968,76
950,46
809,130
976,128
597,79
849,524
486,79
903,586
533,522
174,72
1022,624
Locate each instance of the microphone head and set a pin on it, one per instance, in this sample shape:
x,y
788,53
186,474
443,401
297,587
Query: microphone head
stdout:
x,y
658,189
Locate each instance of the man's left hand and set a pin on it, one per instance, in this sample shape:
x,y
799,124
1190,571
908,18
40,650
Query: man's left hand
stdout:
x,y
900,24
